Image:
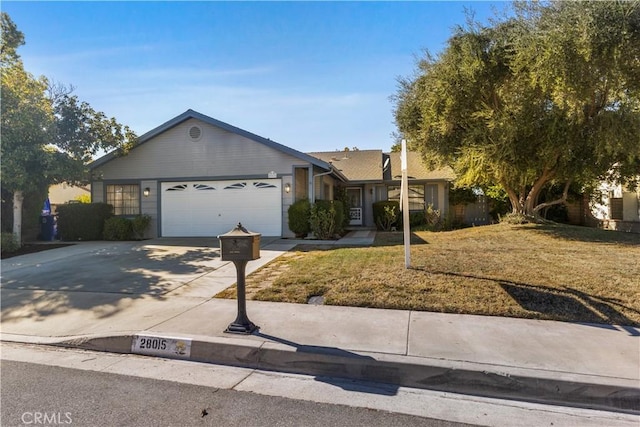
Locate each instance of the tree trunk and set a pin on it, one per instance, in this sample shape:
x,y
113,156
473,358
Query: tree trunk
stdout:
x,y
531,202
516,206
563,199
18,198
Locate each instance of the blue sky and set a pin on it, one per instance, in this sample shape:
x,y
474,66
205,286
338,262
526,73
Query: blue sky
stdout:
x,y
315,76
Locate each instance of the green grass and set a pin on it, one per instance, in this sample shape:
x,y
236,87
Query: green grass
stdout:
x,y
531,271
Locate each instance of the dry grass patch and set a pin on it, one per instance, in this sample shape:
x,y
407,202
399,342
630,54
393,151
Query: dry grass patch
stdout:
x,y
532,271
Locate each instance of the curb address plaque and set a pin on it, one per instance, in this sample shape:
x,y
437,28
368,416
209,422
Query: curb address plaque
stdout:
x,y
161,346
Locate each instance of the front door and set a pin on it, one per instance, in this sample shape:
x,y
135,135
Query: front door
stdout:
x,y
355,205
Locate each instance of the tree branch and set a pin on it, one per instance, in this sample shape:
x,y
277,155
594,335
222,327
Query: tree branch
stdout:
x,y
563,199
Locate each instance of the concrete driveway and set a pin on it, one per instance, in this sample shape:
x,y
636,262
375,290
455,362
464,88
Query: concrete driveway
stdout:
x,y
151,267
99,280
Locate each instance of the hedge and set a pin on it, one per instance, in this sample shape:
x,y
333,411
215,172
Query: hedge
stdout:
x,y
83,221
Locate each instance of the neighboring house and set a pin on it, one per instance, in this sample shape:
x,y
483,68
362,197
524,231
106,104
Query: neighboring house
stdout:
x,y
620,208
60,194
197,176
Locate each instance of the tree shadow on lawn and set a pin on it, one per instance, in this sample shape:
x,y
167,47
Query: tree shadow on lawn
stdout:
x,y
569,304
566,304
395,238
104,280
586,234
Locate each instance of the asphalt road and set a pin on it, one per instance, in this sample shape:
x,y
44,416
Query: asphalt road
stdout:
x,y
34,394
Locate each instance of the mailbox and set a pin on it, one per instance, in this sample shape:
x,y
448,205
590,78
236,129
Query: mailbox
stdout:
x,y
239,244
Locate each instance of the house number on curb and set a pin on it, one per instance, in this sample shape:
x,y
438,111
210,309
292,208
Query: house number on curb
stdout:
x,y
161,346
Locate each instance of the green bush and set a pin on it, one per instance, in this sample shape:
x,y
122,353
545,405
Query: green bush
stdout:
x,y
299,216
9,242
340,215
139,224
462,196
83,221
340,195
416,219
323,219
432,220
432,217
118,228
386,214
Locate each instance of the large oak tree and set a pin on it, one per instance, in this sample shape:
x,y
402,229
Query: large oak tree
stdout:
x,y
547,96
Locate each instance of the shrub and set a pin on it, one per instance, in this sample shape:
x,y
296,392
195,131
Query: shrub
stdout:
x,y
386,214
118,228
433,221
461,196
83,198
83,221
340,215
514,218
9,242
417,219
323,219
299,216
432,217
341,196
139,225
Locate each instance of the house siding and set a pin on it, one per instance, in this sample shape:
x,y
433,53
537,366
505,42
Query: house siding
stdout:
x,y
217,154
630,206
97,192
287,201
149,206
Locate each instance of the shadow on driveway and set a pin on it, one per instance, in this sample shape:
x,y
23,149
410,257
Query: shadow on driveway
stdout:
x,y
99,275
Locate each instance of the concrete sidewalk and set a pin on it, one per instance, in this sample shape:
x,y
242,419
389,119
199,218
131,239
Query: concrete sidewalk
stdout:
x,y
595,366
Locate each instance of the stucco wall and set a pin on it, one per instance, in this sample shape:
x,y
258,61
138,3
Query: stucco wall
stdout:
x,y
218,154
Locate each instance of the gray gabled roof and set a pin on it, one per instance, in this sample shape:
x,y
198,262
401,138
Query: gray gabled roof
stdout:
x,y
417,168
191,114
361,166
356,165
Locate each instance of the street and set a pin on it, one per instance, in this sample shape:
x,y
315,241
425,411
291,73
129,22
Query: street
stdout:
x,y
44,385
35,394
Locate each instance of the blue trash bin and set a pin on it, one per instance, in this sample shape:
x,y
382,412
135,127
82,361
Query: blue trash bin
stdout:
x,y
47,227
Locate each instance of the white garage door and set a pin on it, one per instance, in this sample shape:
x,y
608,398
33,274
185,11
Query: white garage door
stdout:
x,y
211,208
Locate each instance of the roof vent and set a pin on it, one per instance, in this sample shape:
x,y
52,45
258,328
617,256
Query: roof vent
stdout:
x,y
195,133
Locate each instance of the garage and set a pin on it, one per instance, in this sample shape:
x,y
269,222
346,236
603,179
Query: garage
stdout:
x,y
211,208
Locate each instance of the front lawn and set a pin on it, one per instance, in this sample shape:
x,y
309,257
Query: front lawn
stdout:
x,y
532,271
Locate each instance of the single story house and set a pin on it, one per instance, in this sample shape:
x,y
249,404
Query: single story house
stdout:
x,y
197,176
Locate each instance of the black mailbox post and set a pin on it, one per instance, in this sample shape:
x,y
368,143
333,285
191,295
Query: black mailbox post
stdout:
x,y
240,246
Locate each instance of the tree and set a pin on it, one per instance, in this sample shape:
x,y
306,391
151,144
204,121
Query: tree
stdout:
x,y
26,118
549,96
48,135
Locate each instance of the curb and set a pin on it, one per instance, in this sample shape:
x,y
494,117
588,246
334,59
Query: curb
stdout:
x,y
493,381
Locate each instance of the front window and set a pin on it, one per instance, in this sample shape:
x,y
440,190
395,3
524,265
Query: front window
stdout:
x,y
125,198
301,183
416,196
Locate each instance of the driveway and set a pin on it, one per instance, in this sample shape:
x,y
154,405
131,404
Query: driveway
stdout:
x,y
152,267
113,286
